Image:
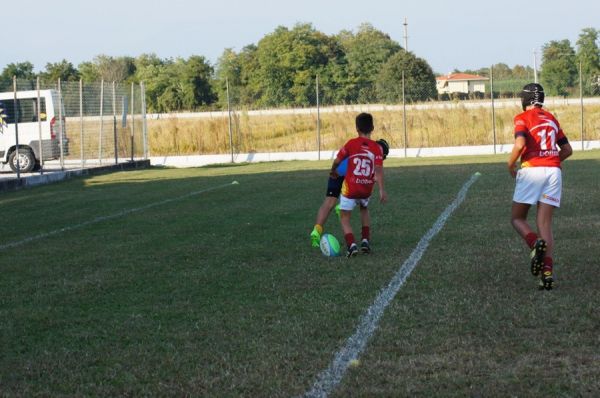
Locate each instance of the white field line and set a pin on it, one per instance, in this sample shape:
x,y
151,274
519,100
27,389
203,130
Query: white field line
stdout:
x,y
109,217
328,379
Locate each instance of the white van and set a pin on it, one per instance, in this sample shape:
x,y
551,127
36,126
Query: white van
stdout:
x,y
49,127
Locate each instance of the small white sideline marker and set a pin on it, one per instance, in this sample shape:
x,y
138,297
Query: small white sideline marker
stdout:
x,y
328,379
109,217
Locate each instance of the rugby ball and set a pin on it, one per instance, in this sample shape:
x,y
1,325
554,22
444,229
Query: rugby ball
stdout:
x,y
330,246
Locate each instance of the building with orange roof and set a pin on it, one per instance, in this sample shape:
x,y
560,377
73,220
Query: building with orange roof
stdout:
x,y
460,83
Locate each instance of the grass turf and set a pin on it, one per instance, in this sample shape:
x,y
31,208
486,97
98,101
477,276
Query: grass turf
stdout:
x,y
220,294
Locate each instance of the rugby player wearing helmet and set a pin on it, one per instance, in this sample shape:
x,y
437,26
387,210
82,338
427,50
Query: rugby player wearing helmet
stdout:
x,y
541,145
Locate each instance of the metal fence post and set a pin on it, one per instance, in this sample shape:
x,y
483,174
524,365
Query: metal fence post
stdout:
x,y
101,121
404,116
493,107
144,124
16,116
318,121
62,126
535,76
132,119
229,117
114,105
581,103
81,122
39,119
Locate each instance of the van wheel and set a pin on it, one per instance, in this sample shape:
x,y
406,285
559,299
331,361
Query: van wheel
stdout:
x,y
26,160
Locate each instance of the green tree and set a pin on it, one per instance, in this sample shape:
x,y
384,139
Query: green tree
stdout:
x,y
588,55
502,71
113,69
365,54
63,70
520,72
22,70
175,85
88,72
228,70
481,71
154,72
419,79
195,75
286,64
147,60
250,91
559,67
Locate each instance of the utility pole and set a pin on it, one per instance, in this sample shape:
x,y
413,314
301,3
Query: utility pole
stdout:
x,y
405,35
535,80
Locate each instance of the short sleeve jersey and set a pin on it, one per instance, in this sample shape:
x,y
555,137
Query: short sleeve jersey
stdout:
x,y
543,136
363,155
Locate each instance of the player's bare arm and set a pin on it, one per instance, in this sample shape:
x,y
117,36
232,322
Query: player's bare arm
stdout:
x,y
565,151
514,155
333,172
380,184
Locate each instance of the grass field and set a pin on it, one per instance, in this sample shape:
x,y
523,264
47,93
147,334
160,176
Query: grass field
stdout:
x,y
176,282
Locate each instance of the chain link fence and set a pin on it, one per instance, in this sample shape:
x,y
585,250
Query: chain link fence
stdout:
x,y
72,124
409,115
106,123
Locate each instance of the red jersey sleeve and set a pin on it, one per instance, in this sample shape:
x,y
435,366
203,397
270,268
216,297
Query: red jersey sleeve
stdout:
x,y
521,129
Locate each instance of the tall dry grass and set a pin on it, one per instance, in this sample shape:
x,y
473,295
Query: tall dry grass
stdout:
x,y
101,145
298,132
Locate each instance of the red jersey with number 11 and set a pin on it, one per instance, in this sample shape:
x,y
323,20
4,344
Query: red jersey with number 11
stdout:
x,y
363,155
542,135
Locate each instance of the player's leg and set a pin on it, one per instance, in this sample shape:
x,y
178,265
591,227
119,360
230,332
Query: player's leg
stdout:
x,y
536,243
348,234
518,219
528,189
549,200
346,206
328,203
334,186
365,220
544,224
545,213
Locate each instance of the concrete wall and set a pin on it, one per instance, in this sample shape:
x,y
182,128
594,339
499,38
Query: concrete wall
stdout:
x,y
204,160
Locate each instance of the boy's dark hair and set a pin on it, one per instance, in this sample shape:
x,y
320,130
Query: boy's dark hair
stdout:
x,y
364,123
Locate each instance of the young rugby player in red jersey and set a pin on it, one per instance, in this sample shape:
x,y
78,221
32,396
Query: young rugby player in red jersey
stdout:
x,y
542,146
365,166
334,188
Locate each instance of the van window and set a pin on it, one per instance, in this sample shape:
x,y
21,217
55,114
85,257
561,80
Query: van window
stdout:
x,y
27,110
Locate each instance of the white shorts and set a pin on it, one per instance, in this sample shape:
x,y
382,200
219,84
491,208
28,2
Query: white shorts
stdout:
x,y
538,184
349,204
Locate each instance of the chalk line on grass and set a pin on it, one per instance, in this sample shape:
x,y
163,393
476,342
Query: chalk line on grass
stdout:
x,y
328,379
109,217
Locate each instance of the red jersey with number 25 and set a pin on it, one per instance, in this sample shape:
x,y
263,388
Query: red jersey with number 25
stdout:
x,y
363,155
542,135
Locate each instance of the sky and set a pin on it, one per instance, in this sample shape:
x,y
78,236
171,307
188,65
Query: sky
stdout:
x,y
449,35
